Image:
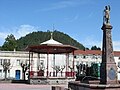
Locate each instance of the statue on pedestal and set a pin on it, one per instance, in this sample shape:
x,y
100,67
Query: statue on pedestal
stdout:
x,y
108,69
106,18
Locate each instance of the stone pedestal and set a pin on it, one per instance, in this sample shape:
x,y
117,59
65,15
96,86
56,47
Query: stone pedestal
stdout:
x,y
108,68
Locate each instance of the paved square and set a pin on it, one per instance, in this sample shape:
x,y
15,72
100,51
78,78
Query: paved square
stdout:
x,y
9,86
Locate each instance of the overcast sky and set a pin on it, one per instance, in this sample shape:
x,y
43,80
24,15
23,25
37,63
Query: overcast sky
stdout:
x,y
80,19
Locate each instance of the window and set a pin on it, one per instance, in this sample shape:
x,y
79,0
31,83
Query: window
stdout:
x,y
27,62
8,71
75,56
119,58
0,72
41,65
77,62
99,56
18,62
119,64
4,61
42,55
93,57
0,61
84,57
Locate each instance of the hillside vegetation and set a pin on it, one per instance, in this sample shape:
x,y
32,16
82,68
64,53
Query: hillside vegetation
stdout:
x,y
36,38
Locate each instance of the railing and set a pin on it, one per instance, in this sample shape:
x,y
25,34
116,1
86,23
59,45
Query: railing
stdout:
x,y
52,74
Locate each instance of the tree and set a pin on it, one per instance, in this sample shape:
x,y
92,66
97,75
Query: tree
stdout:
x,y
62,68
57,69
95,48
86,48
10,43
6,67
25,67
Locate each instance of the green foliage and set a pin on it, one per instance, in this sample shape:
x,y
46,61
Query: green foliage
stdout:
x,y
10,43
66,39
95,48
86,48
36,38
95,70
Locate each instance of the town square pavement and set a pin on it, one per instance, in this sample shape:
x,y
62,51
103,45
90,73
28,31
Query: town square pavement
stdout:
x,y
11,86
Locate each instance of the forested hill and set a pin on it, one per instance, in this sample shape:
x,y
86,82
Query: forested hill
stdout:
x,y
36,38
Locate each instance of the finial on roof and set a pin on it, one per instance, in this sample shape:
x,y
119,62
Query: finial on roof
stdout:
x,y
51,35
52,32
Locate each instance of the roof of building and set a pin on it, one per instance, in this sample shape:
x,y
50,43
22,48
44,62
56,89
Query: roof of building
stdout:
x,y
116,53
52,41
86,52
93,52
51,47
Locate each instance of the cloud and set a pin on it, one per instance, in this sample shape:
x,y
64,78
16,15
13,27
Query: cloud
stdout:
x,y
3,35
24,29
89,42
60,5
116,45
72,19
18,32
90,15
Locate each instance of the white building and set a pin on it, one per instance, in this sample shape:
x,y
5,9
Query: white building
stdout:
x,y
17,57
95,56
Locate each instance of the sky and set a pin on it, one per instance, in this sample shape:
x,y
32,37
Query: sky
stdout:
x,y
80,19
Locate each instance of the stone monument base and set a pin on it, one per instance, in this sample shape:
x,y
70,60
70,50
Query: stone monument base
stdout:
x,y
94,85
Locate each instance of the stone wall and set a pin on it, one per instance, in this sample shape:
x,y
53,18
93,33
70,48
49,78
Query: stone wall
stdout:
x,y
76,85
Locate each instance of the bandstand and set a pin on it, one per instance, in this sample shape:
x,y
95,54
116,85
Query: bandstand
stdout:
x,y
48,72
